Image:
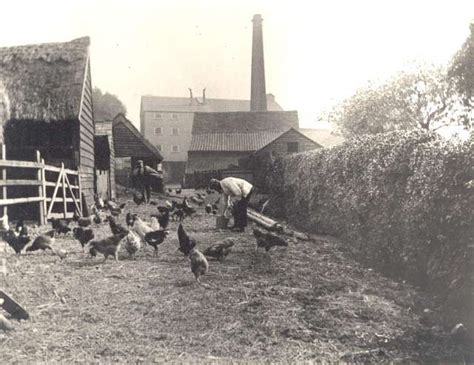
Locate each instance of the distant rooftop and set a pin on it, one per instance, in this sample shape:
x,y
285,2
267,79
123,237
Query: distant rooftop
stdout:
x,y
186,104
325,137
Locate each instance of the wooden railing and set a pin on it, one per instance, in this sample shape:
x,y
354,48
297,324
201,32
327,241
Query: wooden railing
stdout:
x,y
44,200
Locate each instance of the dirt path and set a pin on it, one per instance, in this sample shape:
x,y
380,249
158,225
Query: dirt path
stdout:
x,y
307,302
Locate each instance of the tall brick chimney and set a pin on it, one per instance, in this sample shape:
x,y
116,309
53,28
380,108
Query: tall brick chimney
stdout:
x,y
258,98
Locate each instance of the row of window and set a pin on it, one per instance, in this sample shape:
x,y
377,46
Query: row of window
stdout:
x,y
160,131
174,148
165,116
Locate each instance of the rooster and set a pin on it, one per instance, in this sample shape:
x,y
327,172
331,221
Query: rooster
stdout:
x,y
60,225
186,243
219,250
116,228
42,242
267,239
141,227
164,217
154,224
133,244
83,235
15,241
107,246
199,264
154,238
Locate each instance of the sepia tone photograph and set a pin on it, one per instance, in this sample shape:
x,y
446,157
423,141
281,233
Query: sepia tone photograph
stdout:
x,y
251,182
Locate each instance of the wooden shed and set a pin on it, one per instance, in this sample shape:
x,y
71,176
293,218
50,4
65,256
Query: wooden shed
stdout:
x,y
46,106
129,146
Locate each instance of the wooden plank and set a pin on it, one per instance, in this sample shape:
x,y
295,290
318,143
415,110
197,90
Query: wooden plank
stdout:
x,y
60,215
56,187
32,199
58,169
23,164
4,178
45,193
60,200
72,194
63,182
49,183
21,182
41,192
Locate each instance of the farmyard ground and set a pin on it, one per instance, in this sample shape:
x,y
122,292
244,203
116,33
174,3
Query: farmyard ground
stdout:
x,y
307,302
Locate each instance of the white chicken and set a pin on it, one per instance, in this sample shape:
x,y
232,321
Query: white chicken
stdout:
x,y
133,243
141,227
155,225
4,223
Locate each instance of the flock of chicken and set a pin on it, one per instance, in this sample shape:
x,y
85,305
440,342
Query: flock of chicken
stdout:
x,y
134,236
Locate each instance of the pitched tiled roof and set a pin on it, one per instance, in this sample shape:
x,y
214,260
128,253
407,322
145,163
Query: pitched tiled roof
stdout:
x,y
324,137
231,141
176,104
244,122
43,81
201,163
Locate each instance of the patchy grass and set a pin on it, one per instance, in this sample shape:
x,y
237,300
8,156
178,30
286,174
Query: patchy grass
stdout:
x,y
306,302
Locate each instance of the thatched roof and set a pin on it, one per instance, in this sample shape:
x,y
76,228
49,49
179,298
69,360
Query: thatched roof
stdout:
x,y
43,81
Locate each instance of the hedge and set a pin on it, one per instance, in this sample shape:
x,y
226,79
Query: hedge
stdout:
x,y
403,202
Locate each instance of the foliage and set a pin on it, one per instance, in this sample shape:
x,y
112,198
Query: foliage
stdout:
x,y
402,200
106,106
461,70
423,98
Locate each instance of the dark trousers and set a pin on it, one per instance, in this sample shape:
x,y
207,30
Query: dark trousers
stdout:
x,y
146,191
240,211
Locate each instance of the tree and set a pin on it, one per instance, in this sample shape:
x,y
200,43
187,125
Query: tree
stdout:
x,y
106,106
422,98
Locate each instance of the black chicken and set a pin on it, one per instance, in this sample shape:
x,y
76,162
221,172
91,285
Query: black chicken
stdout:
x,y
16,242
219,250
178,191
208,208
60,225
163,217
116,211
267,239
155,238
178,215
137,200
116,228
82,221
186,243
130,219
83,235
43,242
188,209
107,246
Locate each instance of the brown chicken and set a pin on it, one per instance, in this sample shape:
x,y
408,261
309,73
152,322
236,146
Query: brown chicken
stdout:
x,y
42,242
109,246
199,264
267,240
219,250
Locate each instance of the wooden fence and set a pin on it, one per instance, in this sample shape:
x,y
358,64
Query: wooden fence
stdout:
x,y
44,197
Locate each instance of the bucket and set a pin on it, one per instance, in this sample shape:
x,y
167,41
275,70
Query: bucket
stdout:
x,y
222,222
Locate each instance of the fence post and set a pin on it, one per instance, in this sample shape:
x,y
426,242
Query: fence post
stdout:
x,y
45,194
80,188
41,192
64,190
4,178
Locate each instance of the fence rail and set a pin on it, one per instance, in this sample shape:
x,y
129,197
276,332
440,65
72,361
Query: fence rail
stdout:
x,y
44,200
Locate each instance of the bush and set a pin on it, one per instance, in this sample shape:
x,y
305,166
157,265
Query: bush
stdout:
x,y
403,202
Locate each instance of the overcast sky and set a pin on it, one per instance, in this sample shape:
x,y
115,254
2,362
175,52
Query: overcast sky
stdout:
x,y
315,53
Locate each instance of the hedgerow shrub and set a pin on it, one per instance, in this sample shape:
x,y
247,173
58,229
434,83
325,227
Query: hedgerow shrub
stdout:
x,y
403,202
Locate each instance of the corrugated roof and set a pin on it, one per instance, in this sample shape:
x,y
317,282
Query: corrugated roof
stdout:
x,y
244,122
182,104
43,81
231,141
324,137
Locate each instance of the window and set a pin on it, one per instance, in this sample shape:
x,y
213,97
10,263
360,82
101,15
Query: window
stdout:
x,y
158,130
157,115
159,147
174,148
292,147
174,116
174,131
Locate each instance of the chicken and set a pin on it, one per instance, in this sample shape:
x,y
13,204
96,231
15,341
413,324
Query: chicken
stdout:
x,y
42,242
197,200
116,210
154,224
130,218
99,217
82,221
83,235
178,191
267,239
15,241
137,200
178,215
164,217
188,209
60,225
155,238
133,243
208,208
4,223
186,243
107,246
169,205
201,195
199,264
219,250
170,190
141,227
215,206
116,228
99,202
